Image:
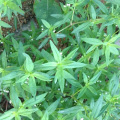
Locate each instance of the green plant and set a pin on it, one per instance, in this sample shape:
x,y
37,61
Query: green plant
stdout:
x,y
66,70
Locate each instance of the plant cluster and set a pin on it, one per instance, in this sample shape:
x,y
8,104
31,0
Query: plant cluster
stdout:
x,y
67,68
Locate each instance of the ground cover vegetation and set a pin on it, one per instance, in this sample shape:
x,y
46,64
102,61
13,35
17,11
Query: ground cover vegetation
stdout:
x,y
66,68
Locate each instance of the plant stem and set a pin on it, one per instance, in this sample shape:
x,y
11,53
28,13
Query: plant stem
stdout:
x,y
72,15
0,26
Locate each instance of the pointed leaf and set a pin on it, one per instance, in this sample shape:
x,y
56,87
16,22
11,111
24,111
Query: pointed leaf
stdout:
x,y
75,65
46,24
70,55
22,79
48,66
34,101
43,34
32,86
113,50
91,49
60,76
82,92
14,97
92,41
21,57
4,59
95,78
53,107
96,57
55,51
41,76
60,35
28,65
15,44
47,56
101,6
93,12
54,37
85,78
74,109
3,24
98,106
92,90
11,76
81,27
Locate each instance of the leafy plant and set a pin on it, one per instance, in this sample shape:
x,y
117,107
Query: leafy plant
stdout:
x,y
67,68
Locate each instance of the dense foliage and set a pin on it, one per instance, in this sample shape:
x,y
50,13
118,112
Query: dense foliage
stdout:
x,y
67,68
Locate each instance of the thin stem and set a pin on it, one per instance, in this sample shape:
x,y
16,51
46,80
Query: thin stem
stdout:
x,y
72,15
75,24
0,26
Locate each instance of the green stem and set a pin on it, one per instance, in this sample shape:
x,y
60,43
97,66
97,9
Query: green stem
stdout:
x,y
75,24
0,26
72,15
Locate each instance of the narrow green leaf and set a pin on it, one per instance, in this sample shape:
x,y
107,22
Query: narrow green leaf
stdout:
x,y
107,55
54,37
14,97
92,90
45,116
46,24
82,92
75,65
3,24
101,6
44,42
14,7
55,51
15,44
60,35
22,79
74,109
34,101
48,66
78,38
41,76
32,86
11,76
27,112
60,76
95,78
113,50
85,78
73,82
92,41
103,109
43,34
97,108
93,12
28,64
70,55
47,56
67,75
96,57
115,38
91,49
21,57
4,59
52,107
81,27
8,115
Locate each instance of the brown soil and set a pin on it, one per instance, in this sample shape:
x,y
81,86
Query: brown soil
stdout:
x,y
27,7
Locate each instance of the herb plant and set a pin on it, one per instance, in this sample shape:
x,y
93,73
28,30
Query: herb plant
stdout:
x,y
68,67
